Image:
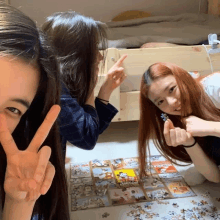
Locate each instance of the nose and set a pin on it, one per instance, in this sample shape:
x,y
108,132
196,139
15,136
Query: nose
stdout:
x,y
172,101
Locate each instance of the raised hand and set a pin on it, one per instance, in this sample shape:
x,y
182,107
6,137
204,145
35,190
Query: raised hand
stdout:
x,y
176,136
116,74
114,78
28,173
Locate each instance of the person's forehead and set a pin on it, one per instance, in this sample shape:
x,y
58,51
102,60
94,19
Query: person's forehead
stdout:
x,y
157,86
17,78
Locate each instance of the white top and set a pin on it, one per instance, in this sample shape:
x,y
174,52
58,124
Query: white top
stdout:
x,y
211,85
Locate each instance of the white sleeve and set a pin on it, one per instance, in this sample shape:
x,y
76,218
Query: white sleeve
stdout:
x,y
212,88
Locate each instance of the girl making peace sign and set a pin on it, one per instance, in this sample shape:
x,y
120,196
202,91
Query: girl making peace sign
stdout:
x,y
191,131
32,175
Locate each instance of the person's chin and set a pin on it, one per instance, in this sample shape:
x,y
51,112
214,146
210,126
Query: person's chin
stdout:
x,y
175,113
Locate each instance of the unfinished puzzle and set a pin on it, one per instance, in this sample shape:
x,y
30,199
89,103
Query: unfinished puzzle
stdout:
x,y
102,183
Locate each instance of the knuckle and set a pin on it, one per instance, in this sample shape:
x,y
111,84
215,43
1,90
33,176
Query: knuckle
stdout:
x,y
8,141
39,173
42,167
47,182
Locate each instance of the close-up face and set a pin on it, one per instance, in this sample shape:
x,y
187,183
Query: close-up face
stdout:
x,y
165,94
18,86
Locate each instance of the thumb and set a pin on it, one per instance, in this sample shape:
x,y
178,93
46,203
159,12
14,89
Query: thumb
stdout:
x,y
188,135
171,126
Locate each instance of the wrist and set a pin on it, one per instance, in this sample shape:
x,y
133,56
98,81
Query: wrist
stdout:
x,y
191,149
22,210
190,142
10,200
91,100
192,145
104,94
215,129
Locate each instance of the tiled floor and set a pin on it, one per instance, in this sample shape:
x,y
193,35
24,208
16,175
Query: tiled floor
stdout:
x,y
120,140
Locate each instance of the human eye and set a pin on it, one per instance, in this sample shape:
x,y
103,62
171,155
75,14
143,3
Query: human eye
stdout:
x,y
14,111
171,89
160,102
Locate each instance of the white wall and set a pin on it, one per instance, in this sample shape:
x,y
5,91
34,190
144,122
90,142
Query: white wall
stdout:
x,y
104,10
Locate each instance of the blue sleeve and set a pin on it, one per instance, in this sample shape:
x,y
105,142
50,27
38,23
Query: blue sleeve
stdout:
x,y
105,113
78,125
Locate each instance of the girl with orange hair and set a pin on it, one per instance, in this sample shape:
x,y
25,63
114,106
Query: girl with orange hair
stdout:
x,y
190,109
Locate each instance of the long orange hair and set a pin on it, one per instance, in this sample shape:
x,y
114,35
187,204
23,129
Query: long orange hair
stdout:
x,y
151,125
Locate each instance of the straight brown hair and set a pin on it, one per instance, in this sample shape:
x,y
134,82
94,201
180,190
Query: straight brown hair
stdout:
x,y
151,125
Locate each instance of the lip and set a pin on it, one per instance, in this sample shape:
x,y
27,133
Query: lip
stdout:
x,y
178,109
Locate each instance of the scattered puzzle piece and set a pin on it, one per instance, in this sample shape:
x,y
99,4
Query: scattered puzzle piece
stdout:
x,y
206,194
175,205
105,215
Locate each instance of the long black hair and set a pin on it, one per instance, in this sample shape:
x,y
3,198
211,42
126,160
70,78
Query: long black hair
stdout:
x,y
20,38
77,40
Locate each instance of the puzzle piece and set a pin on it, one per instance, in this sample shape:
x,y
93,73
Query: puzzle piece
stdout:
x,y
105,215
175,205
206,194
100,163
79,170
137,212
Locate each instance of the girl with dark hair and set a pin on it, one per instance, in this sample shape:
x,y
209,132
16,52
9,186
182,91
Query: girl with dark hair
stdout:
x,y
77,40
190,109
32,176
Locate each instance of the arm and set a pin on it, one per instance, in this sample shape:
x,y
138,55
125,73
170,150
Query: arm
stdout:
x,y
175,136
91,100
78,125
104,94
201,128
114,78
215,129
17,210
204,164
106,112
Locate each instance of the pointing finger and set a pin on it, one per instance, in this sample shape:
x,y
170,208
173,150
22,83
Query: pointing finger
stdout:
x,y
44,129
120,61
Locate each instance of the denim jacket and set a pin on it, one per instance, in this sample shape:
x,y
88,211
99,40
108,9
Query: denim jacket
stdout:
x,y
81,125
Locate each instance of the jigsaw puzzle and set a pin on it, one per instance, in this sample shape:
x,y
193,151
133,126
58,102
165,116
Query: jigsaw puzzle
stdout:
x,y
102,183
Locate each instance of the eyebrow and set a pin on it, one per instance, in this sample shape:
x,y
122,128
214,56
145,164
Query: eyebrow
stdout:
x,y
163,91
24,102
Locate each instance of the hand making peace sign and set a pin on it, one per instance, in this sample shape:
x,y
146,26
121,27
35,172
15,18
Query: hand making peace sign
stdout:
x,y
28,173
115,75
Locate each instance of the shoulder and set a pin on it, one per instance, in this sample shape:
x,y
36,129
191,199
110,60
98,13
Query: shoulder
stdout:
x,y
212,79
211,86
